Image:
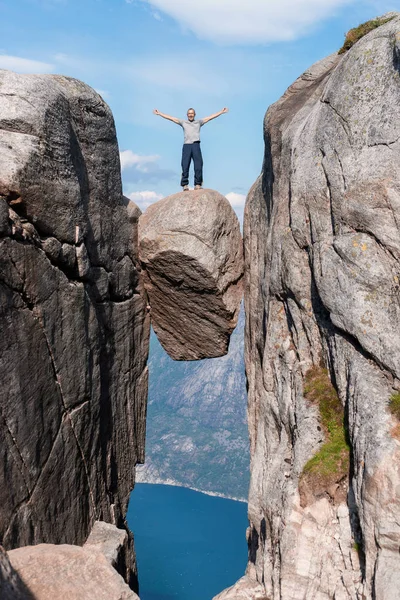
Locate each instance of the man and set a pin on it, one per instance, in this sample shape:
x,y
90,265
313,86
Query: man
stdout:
x,y
191,144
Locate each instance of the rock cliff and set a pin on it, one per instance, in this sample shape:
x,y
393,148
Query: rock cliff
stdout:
x,y
191,252
322,250
58,572
74,330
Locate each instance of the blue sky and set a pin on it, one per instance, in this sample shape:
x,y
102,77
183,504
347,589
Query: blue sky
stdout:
x,y
175,54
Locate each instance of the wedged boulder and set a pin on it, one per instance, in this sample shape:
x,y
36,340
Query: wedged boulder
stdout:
x,y
190,248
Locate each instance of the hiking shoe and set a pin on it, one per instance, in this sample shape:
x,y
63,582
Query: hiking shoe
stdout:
x,y
185,188
198,187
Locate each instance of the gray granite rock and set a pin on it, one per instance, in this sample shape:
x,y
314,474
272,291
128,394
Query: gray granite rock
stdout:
x,y
53,572
244,589
321,238
191,253
74,330
110,541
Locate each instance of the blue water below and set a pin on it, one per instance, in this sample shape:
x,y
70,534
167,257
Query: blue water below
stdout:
x,y
189,546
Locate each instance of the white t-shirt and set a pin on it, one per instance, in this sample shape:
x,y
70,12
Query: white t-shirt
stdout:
x,y
191,130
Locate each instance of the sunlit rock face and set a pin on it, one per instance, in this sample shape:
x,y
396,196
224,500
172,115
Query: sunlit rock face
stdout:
x,y
244,589
191,253
322,252
50,571
74,330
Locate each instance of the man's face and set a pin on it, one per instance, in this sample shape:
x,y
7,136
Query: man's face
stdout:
x,y
191,115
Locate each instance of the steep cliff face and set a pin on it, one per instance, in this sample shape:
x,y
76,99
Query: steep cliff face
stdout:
x,y
74,330
322,250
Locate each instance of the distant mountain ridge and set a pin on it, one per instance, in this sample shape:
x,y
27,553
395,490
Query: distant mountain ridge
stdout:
x,y
197,432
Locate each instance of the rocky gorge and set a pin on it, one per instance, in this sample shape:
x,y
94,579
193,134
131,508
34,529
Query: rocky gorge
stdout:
x,y
75,307
82,275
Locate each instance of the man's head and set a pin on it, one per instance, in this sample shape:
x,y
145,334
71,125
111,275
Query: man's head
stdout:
x,y
191,113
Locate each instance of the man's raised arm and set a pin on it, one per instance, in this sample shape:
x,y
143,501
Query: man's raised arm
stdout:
x,y
214,116
160,114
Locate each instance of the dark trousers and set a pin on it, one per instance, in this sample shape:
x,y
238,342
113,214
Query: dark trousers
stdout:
x,y
189,152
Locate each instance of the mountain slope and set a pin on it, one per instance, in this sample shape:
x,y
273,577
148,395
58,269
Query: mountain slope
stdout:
x,y
196,423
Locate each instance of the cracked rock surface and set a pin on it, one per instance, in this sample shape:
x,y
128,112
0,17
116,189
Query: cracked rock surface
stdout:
x,y
74,332
192,257
322,251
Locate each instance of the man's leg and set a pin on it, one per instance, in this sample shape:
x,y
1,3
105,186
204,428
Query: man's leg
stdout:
x,y
186,157
198,165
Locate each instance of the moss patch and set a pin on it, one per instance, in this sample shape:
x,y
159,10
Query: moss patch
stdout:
x,y
357,33
394,407
325,471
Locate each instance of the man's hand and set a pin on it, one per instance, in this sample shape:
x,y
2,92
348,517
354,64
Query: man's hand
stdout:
x,y
168,117
218,114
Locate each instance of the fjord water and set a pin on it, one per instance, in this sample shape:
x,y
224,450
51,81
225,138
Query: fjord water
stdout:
x,y
189,546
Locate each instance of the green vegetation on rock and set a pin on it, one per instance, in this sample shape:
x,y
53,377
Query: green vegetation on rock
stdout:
x,y
331,463
394,405
357,33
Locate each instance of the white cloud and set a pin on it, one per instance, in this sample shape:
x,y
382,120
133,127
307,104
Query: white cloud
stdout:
x,y
145,198
141,168
250,21
236,200
140,162
24,65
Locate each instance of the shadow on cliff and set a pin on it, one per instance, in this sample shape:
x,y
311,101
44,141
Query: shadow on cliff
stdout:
x,y
254,540
396,56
